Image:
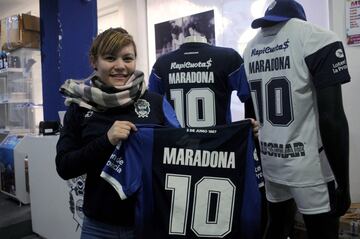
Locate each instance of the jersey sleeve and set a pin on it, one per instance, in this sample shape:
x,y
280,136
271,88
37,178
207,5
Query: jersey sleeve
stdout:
x,y
237,78
155,81
123,170
238,82
170,115
325,58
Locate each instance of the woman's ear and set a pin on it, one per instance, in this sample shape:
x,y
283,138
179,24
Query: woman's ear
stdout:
x,y
93,63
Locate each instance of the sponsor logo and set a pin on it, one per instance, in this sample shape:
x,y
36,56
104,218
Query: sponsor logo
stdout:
x,y
291,150
339,66
115,162
339,53
269,49
142,108
189,65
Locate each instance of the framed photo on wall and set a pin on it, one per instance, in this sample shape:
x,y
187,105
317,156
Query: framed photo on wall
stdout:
x,y
171,34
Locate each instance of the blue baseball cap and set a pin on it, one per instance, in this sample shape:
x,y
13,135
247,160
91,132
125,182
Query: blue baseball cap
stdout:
x,y
280,11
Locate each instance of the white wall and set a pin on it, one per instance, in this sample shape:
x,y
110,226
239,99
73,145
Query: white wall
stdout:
x,y
12,7
232,18
351,94
130,15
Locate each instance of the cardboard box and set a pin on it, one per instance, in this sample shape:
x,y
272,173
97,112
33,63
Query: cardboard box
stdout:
x,y
20,31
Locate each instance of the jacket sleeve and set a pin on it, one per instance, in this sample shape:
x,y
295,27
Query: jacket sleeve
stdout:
x,y
73,158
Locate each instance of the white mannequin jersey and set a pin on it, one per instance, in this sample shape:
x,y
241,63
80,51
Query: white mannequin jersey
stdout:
x,y
284,65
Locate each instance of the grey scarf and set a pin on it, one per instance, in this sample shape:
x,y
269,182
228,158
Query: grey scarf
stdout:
x,y
99,97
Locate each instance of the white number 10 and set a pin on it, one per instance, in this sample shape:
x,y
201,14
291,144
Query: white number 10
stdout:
x,y
202,224
199,107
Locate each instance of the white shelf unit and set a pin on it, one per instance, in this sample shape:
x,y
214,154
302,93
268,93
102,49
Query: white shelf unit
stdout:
x,y
21,92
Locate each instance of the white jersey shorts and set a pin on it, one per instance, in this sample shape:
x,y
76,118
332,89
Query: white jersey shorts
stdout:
x,y
309,200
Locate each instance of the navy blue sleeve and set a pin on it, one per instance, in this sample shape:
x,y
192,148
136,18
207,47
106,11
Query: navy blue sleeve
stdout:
x,y
155,83
170,115
328,65
238,82
236,78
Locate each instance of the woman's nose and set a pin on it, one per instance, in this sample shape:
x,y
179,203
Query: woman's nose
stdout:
x,y
119,63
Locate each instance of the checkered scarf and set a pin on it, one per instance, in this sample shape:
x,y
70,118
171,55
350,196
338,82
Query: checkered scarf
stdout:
x,y
98,97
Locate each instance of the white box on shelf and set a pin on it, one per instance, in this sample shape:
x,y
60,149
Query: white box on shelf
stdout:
x,y
23,118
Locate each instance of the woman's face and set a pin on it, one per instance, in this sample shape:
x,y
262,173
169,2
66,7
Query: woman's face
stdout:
x,y
115,70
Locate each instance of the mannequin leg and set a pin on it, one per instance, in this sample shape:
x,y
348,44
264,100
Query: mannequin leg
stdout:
x,y
281,219
322,226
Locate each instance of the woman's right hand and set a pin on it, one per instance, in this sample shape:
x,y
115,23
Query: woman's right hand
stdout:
x,y
120,130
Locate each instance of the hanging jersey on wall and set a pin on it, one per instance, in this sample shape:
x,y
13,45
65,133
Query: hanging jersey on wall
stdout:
x,y
284,67
202,181
198,80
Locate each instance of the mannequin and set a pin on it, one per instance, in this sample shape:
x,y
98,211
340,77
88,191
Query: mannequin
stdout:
x,y
321,194
208,102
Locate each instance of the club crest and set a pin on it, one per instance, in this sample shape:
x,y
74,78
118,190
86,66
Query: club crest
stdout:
x,y
142,108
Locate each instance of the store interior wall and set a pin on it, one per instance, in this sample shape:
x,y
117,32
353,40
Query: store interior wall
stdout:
x,y
131,15
231,18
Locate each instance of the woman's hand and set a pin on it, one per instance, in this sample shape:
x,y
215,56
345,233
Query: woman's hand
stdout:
x,y
120,130
255,126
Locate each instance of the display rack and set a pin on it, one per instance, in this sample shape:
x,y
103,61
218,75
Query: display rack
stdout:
x,y
21,92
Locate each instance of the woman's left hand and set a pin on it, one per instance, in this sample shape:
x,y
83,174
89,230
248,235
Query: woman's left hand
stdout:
x,y
255,126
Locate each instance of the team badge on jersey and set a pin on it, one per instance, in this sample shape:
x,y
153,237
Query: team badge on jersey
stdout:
x,y
142,108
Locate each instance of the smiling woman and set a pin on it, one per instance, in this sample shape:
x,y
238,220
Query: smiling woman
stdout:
x,y
102,112
115,70
113,56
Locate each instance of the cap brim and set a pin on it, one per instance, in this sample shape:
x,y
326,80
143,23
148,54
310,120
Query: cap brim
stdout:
x,y
266,20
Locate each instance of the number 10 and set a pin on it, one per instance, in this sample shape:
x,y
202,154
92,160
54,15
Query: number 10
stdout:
x,y
202,224
278,107
199,107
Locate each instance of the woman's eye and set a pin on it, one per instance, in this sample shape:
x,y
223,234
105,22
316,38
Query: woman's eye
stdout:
x,y
128,59
110,58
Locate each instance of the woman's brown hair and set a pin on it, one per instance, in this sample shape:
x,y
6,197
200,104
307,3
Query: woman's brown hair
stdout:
x,y
110,42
